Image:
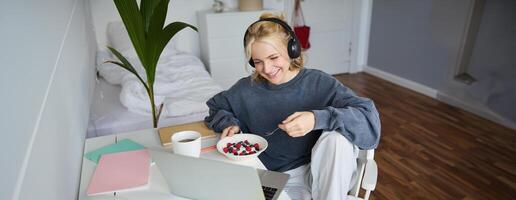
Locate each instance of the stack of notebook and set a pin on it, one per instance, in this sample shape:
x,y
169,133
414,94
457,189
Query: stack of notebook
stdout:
x,y
122,166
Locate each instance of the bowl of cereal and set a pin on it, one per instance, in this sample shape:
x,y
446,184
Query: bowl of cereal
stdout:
x,y
242,146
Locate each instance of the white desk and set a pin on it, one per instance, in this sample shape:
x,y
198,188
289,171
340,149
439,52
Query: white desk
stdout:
x,y
158,188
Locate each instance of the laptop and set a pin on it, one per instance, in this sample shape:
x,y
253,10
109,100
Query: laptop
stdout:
x,y
198,178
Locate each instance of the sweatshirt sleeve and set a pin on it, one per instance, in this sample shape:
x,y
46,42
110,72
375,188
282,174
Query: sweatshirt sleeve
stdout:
x,y
220,113
356,118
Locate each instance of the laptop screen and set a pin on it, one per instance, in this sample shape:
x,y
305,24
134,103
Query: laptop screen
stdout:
x,y
199,178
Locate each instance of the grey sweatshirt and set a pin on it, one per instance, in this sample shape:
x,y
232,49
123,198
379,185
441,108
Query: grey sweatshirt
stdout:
x,y
258,107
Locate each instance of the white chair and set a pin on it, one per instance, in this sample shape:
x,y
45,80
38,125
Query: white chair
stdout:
x,y
367,174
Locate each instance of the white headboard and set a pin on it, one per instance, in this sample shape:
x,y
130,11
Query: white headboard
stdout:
x,y
104,11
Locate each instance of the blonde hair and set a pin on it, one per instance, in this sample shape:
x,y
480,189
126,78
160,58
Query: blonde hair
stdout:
x,y
273,34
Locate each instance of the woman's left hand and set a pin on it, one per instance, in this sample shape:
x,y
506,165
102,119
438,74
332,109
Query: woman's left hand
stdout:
x,y
298,124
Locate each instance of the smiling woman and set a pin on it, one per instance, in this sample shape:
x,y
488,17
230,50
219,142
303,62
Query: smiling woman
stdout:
x,y
272,63
320,120
273,48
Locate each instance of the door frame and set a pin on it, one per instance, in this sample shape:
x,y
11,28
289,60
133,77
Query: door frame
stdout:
x,y
362,11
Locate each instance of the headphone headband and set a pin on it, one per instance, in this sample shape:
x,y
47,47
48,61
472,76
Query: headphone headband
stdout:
x,y
274,20
293,46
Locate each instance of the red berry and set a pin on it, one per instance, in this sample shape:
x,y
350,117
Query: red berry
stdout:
x,y
228,145
225,149
256,146
248,148
238,145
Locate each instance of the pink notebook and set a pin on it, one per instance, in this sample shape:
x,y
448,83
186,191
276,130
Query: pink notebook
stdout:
x,y
122,171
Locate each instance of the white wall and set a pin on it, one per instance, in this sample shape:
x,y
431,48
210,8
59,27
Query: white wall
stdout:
x,y
46,84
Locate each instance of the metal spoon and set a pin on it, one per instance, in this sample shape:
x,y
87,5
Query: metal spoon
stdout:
x,y
270,133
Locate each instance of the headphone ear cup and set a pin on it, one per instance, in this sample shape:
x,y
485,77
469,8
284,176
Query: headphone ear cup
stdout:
x,y
251,62
294,49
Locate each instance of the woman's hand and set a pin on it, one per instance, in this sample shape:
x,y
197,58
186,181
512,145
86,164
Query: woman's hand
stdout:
x,y
229,131
298,124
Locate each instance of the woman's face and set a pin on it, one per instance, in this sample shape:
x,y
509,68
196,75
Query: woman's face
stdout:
x,y
271,63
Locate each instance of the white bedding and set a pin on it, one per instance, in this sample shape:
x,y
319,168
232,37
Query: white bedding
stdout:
x,y
109,116
182,85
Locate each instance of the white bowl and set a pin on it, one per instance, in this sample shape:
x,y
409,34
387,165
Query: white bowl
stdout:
x,y
252,138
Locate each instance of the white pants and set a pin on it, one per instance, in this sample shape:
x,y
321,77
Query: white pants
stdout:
x,y
329,175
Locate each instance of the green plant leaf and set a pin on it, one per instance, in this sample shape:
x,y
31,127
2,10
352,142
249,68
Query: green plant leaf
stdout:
x,y
170,30
147,9
157,18
126,65
131,16
153,43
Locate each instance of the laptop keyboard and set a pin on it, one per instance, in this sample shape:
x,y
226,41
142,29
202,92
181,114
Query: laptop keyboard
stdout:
x,y
269,192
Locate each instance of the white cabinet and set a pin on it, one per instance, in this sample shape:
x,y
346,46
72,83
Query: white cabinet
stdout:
x,y
222,48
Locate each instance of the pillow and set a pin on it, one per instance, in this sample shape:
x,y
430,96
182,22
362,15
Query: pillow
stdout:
x,y
112,73
119,39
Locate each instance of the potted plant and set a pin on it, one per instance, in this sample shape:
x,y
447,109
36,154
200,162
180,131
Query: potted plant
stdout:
x,y
149,36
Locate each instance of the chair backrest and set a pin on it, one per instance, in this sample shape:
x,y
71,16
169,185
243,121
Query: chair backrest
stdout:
x,y
364,156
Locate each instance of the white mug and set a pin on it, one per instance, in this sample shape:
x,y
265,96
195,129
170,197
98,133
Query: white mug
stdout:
x,y
187,143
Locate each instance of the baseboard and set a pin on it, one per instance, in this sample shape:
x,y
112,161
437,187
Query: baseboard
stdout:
x,y
477,109
423,89
356,69
480,110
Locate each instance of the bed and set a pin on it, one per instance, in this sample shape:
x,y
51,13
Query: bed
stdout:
x,y
120,102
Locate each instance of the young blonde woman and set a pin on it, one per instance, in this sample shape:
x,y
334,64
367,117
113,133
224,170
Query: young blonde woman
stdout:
x,y
321,121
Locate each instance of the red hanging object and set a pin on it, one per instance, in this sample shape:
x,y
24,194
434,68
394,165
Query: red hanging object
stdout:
x,y
301,30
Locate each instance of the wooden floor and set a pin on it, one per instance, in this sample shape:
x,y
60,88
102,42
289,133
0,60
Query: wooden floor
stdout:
x,y
430,150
